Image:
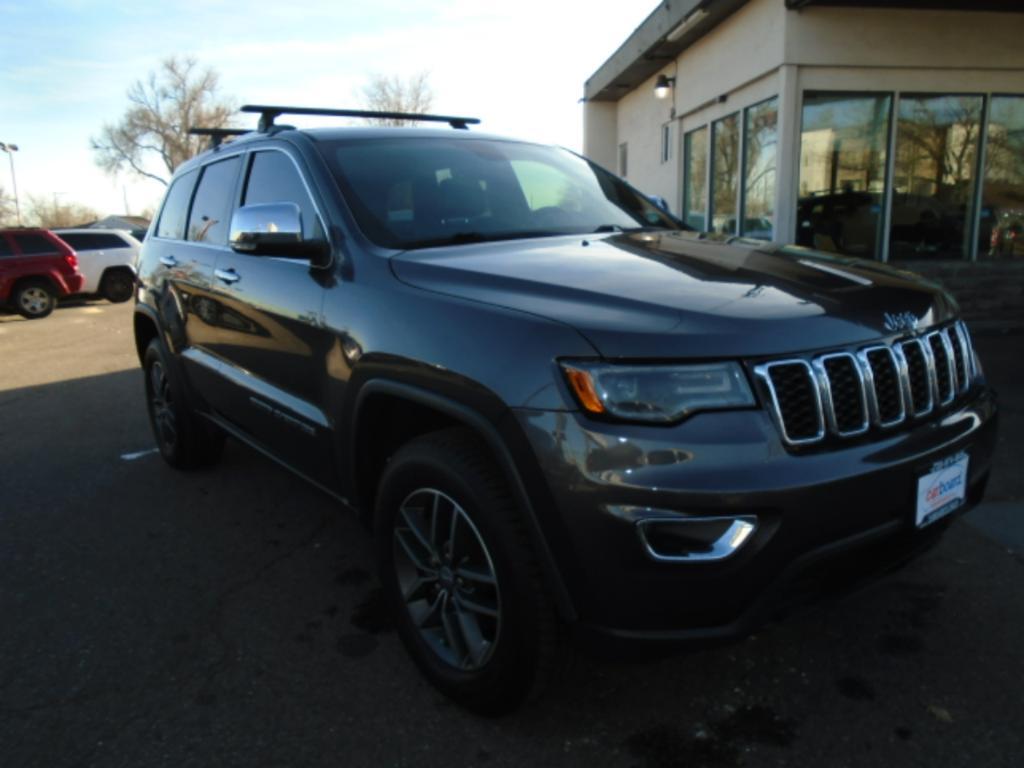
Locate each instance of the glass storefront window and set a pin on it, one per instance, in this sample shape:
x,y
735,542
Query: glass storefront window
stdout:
x,y
695,159
760,140
725,173
842,172
937,139
1001,234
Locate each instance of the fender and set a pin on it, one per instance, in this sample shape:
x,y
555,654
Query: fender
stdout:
x,y
487,431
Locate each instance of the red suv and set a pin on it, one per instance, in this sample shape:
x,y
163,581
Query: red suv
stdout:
x,y
36,267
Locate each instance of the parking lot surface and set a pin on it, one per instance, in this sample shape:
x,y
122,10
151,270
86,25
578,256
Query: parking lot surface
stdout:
x,y
231,618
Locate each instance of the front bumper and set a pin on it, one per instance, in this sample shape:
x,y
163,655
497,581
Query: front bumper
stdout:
x,y
850,508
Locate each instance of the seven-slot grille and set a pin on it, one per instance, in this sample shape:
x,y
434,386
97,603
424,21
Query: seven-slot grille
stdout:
x,y
847,393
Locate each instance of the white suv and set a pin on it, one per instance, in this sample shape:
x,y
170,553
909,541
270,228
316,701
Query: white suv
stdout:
x,y
107,259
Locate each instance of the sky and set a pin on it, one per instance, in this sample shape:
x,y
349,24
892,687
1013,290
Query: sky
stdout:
x,y
65,67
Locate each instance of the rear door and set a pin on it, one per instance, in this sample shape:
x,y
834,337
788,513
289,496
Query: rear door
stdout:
x,y
270,333
190,236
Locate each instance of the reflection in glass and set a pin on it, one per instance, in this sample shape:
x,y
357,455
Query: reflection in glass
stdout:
x,y
725,175
842,172
695,160
1001,235
759,169
933,182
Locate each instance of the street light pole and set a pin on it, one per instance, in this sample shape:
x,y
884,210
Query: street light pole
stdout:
x,y
10,149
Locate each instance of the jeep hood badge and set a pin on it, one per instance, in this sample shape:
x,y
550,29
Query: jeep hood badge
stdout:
x,y
900,321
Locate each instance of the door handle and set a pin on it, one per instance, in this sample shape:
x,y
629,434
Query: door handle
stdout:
x,y
168,261
227,275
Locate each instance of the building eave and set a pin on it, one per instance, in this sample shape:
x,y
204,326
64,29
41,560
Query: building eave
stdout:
x,y
648,49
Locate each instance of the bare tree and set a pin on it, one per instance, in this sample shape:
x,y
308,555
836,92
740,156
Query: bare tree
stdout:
x,y
162,109
50,212
7,212
390,93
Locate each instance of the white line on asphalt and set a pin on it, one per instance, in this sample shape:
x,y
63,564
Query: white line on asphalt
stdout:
x,y
137,454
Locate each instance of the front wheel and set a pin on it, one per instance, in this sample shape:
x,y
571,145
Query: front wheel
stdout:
x,y
185,440
460,575
34,300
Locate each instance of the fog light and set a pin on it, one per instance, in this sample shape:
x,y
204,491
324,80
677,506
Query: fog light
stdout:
x,y
695,539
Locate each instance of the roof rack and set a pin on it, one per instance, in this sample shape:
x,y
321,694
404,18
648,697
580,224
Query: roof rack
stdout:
x,y
269,113
217,135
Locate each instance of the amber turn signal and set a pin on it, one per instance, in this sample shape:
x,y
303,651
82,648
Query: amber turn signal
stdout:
x,y
583,387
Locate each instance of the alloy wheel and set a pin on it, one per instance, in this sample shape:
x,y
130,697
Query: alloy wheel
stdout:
x,y
160,404
35,301
447,579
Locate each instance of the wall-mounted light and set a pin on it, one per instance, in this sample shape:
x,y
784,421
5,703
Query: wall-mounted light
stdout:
x,y
663,86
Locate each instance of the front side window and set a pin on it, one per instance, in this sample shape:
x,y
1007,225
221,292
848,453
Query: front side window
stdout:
x,y
5,247
725,173
273,178
211,210
86,241
175,209
416,193
842,172
1001,234
937,139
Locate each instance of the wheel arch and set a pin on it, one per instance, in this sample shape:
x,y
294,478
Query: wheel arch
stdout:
x,y
381,403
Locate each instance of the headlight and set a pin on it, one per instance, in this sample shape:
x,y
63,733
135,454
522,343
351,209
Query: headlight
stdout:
x,y
657,393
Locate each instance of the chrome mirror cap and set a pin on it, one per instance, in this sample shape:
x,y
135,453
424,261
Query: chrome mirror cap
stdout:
x,y
267,228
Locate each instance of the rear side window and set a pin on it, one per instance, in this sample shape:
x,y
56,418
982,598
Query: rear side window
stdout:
x,y
32,243
274,178
211,208
85,241
175,210
5,247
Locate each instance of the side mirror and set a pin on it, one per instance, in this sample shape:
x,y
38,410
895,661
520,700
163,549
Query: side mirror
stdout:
x,y
273,229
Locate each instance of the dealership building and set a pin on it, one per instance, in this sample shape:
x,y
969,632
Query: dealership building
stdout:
x,y
884,130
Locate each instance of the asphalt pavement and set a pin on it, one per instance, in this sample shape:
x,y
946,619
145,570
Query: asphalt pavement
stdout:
x,y
230,617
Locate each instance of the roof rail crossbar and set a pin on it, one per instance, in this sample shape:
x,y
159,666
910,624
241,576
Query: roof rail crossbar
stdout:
x,y
217,135
269,113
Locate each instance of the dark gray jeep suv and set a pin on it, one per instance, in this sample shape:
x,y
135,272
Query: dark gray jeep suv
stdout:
x,y
555,406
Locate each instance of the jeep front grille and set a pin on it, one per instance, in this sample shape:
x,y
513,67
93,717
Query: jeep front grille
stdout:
x,y
848,393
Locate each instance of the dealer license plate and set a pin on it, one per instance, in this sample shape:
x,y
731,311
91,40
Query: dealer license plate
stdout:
x,y
942,490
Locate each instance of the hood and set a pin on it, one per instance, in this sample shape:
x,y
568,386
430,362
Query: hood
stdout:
x,y
684,294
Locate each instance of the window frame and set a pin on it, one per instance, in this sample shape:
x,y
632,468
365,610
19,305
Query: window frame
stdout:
x,y
247,165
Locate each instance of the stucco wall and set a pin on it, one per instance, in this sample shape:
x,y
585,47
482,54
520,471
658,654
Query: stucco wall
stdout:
x,y
883,37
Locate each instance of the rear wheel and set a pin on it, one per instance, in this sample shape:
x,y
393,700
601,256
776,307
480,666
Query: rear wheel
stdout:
x,y
185,440
460,575
117,285
34,299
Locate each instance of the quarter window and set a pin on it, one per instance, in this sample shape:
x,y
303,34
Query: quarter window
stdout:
x,y
214,201
30,244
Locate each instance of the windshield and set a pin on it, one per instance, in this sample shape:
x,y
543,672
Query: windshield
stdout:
x,y
421,192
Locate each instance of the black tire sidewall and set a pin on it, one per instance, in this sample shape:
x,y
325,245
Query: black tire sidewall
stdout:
x,y
507,676
112,281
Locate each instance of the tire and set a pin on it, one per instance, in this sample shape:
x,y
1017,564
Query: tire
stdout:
x,y
117,285
185,439
34,299
475,615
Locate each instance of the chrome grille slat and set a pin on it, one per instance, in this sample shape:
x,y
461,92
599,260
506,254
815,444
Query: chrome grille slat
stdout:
x,y
883,383
847,393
